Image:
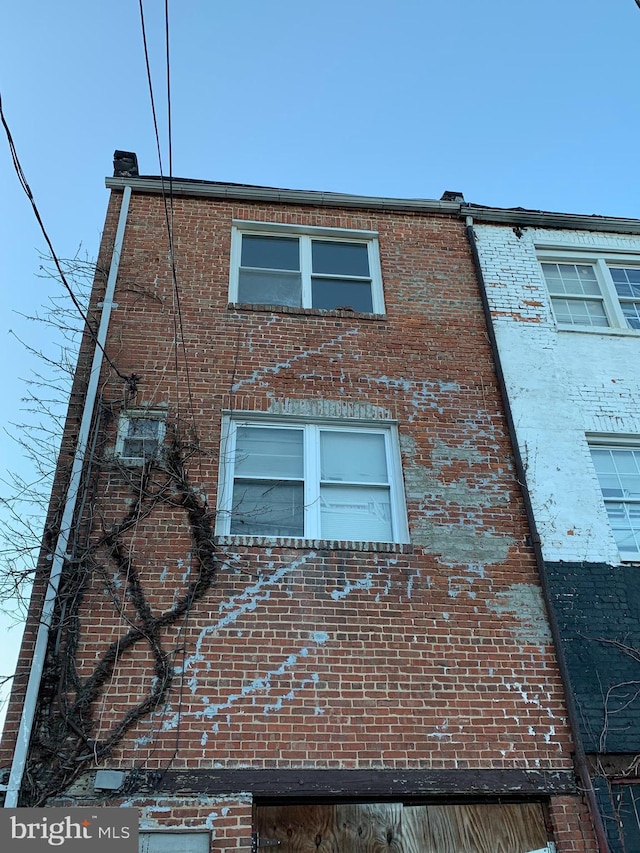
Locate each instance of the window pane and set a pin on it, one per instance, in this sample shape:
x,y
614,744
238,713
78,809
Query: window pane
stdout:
x,y
356,513
625,461
631,311
618,472
270,288
551,272
275,253
142,428
627,281
352,457
269,452
611,486
331,293
133,448
573,279
267,508
579,312
603,460
142,438
340,258
625,523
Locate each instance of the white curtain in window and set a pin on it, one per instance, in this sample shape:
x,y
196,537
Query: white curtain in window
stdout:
x,y
269,452
361,513
353,457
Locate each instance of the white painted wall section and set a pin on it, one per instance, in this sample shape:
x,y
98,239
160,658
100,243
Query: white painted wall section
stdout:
x,y
563,385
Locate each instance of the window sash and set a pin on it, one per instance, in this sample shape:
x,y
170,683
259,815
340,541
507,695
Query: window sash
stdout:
x,y
578,311
256,500
325,284
140,435
608,296
618,470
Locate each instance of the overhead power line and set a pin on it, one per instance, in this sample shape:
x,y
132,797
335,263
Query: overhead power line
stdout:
x,y
168,202
27,190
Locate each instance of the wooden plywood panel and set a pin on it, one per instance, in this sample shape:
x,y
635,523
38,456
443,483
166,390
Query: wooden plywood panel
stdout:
x,y
297,829
369,828
392,828
352,828
486,828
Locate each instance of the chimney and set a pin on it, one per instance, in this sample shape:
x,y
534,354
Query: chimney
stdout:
x,y
451,195
125,164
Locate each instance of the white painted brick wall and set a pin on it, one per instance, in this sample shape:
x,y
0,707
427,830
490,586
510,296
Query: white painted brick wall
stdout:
x,y
562,385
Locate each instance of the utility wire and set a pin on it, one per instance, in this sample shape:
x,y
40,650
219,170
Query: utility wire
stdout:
x,y
168,204
27,189
178,326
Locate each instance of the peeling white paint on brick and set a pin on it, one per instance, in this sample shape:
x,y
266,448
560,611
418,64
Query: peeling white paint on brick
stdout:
x,y
246,602
213,807
563,385
274,369
365,582
524,602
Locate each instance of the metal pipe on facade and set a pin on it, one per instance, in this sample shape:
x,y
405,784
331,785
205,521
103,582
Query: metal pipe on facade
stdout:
x,y
66,525
572,712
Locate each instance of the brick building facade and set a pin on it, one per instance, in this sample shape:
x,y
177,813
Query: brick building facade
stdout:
x,y
297,597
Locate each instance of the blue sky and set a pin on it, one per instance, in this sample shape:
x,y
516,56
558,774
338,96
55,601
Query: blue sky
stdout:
x,y
514,104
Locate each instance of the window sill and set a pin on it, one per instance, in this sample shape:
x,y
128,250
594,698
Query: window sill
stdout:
x,y
316,544
601,330
343,313
114,461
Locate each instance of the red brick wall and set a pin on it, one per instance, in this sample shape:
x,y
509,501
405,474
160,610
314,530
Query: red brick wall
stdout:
x,y
434,655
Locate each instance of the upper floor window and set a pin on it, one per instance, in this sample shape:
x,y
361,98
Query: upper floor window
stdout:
x,y
305,267
312,481
600,293
140,436
618,470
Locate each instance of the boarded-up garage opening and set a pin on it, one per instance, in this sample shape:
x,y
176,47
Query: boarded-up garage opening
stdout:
x,y
398,828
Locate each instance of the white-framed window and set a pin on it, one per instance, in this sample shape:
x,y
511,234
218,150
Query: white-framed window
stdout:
x,y
600,291
140,435
324,480
617,466
323,268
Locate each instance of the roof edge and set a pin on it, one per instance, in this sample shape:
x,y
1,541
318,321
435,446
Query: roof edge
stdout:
x,y
480,213
213,189
545,219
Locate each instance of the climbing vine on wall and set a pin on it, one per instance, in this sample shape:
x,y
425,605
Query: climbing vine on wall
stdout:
x,y
65,741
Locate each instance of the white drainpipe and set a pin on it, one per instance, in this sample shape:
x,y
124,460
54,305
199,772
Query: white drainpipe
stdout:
x,y
60,553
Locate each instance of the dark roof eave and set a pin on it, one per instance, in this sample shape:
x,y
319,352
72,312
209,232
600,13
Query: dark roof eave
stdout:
x,y
480,213
545,219
213,189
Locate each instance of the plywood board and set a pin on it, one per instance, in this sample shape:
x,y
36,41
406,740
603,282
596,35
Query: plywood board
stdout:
x,y
477,828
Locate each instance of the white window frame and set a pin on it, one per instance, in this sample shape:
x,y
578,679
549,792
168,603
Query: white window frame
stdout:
x,y
601,261
312,429
611,442
123,434
306,234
